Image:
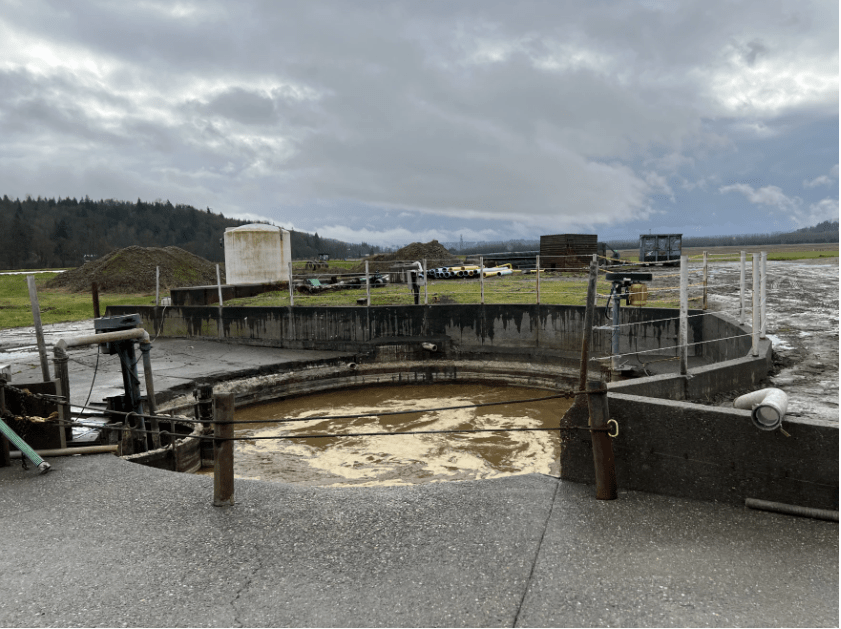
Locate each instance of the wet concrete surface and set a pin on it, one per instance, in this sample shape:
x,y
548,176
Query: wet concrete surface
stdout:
x,y
102,542
176,363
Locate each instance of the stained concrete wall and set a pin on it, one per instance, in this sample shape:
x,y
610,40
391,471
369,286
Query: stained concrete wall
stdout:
x,y
483,329
665,445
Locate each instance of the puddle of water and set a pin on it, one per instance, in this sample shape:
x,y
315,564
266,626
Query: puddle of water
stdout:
x,y
403,459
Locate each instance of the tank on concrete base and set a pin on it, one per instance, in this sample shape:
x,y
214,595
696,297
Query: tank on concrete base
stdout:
x,y
256,254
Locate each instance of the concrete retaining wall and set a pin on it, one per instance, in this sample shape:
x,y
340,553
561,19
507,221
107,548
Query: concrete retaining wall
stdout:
x,y
665,445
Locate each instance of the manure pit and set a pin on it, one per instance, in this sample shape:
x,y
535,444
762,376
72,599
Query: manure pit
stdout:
x,y
400,459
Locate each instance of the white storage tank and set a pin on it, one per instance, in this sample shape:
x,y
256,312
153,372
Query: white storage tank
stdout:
x,y
256,254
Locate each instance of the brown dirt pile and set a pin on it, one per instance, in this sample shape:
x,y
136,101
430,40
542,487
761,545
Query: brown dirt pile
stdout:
x,y
433,252
132,270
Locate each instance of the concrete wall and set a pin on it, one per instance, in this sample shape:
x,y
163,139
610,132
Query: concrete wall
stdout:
x,y
488,329
711,453
665,446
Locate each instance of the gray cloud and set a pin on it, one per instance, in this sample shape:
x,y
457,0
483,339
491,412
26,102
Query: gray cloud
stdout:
x,y
539,115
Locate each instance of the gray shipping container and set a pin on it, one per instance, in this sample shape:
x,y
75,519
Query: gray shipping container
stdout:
x,y
660,247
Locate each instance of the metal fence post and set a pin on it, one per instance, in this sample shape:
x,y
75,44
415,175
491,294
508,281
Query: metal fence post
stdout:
x,y
291,291
763,294
367,285
223,450
482,280
742,287
537,272
425,284
754,347
706,280
683,333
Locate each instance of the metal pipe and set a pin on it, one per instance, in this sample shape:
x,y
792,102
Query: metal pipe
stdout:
x,y
291,291
537,272
763,274
614,340
145,348
742,256
779,507
482,280
430,347
706,280
767,406
21,445
72,451
425,284
96,339
367,285
589,315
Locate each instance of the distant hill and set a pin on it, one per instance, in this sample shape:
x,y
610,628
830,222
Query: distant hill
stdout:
x,y
49,233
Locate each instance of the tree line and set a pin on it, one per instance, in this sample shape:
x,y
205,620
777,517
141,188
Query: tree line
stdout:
x,y
60,233
824,232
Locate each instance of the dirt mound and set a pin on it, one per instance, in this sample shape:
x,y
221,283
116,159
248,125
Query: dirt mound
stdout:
x,y
132,270
433,252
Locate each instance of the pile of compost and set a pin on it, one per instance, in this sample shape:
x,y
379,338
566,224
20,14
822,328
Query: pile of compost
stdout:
x,y
132,270
433,252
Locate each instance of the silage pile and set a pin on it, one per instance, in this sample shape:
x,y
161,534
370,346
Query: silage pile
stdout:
x,y
132,270
433,252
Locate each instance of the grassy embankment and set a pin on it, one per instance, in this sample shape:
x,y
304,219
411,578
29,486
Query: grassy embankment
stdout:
x,y
60,306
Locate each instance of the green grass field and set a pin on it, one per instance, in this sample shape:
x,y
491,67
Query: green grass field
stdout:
x,y
56,306
60,306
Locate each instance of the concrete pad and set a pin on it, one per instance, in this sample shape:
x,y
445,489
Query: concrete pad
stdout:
x,y
102,542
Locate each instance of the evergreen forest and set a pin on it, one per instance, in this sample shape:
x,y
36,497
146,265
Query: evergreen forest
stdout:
x,y
48,233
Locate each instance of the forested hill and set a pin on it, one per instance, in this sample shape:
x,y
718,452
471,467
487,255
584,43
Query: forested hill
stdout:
x,y
49,233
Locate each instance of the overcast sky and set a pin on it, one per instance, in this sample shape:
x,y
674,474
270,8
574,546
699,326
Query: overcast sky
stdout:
x,y
393,122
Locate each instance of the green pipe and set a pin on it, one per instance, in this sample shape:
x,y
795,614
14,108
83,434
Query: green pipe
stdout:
x,y
21,445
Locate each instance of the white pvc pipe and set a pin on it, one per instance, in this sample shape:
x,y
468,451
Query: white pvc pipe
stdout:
x,y
754,349
430,347
767,406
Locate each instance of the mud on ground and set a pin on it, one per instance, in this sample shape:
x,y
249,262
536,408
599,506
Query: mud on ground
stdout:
x,y
802,310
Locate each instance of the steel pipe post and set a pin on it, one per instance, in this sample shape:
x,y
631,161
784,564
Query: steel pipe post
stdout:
x,y
589,316
706,280
754,347
223,450
425,284
291,291
763,294
145,348
537,272
367,285
482,280
742,287
683,330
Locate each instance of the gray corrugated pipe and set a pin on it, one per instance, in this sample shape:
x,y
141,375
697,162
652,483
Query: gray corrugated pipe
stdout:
x,y
767,407
778,507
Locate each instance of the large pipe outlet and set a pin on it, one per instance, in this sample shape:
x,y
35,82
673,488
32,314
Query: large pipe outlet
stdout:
x,y
767,406
430,347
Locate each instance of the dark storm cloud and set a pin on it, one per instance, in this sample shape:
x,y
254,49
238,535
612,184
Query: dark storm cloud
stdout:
x,y
560,114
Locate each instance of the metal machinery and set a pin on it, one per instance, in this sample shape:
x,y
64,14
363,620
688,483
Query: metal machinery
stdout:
x,y
627,286
132,401
661,248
